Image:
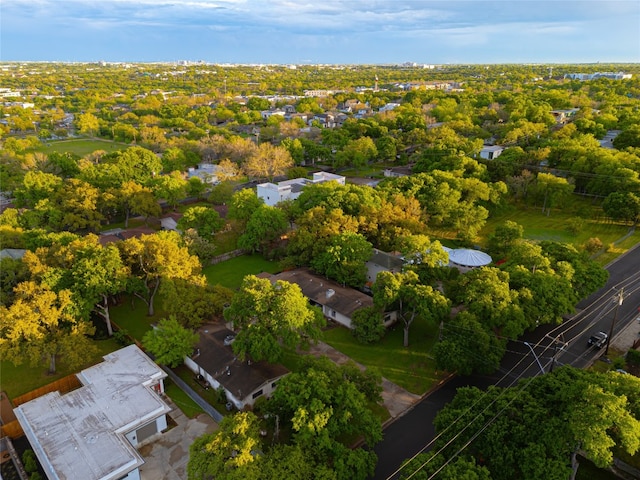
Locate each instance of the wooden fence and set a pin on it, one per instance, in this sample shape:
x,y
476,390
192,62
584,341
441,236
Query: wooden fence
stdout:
x,y
63,385
227,256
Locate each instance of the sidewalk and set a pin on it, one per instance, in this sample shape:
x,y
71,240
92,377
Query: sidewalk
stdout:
x,y
625,339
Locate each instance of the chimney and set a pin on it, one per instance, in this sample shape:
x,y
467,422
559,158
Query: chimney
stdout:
x,y
330,292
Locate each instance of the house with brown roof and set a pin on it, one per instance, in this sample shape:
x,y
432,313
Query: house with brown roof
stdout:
x,y
338,303
243,381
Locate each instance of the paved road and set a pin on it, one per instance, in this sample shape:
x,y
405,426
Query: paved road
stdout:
x,y
411,432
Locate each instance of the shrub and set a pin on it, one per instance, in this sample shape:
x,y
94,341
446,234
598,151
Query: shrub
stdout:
x,y
368,326
122,337
575,225
29,461
593,245
633,357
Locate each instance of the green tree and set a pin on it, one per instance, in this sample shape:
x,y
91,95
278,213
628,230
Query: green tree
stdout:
x,y
504,237
323,403
231,452
344,259
357,153
243,203
412,299
42,324
535,429
170,342
87,124
35,187
623,206
553,190
172,188
154,258
194,302
270,317
368,325
265,227
206,221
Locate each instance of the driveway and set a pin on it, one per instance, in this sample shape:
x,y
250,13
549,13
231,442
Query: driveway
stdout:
x,y
167,454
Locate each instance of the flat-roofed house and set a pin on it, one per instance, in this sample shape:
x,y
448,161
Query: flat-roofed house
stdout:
x,y
272,193
91,433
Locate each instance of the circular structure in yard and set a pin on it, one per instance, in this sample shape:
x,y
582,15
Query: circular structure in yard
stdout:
x,y
465,257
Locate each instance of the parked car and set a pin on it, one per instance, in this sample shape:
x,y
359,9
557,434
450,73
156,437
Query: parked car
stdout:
x,y
598,340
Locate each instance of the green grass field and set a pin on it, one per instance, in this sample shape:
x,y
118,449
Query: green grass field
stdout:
x,y
412,368
82,146
230,273
18,380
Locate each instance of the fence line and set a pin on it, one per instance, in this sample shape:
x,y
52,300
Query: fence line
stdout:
x,y
226,256
63,385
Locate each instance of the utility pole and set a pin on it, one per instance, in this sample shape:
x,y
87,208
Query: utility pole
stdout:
x,y
556,351
613,322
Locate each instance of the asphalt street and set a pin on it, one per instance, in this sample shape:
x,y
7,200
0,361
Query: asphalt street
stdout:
x,y
560,345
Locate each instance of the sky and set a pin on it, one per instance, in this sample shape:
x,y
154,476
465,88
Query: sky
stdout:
x,y
321,31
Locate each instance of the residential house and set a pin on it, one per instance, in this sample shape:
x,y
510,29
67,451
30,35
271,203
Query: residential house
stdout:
x,y
92,433
170,221
491,152
382,262
401,171
338,303
272,193
243,381
265,114
563,116
207,172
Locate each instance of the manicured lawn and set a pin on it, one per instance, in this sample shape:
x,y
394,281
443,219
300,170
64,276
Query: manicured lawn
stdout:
x,y
230,273
82,146
134,318
181,399
18,380
412,368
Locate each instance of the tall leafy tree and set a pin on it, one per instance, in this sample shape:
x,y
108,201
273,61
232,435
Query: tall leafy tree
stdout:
x,y
535,429
344,259
206,221
43,325
271,317
412,299
265,226
231,452
268,162
154,258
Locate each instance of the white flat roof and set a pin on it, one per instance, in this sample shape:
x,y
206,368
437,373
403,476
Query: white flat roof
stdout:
x,y
80,435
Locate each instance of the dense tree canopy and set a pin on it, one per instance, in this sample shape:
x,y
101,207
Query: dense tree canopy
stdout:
x,y
270,317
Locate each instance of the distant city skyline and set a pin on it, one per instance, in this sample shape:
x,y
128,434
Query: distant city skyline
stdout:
x,y
329,31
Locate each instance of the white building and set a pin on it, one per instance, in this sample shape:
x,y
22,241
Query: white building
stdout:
x,y
207,172
273,193
92,433
491,152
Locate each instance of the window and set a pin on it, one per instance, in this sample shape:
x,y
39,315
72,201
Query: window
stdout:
x,y
274,384
257,394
